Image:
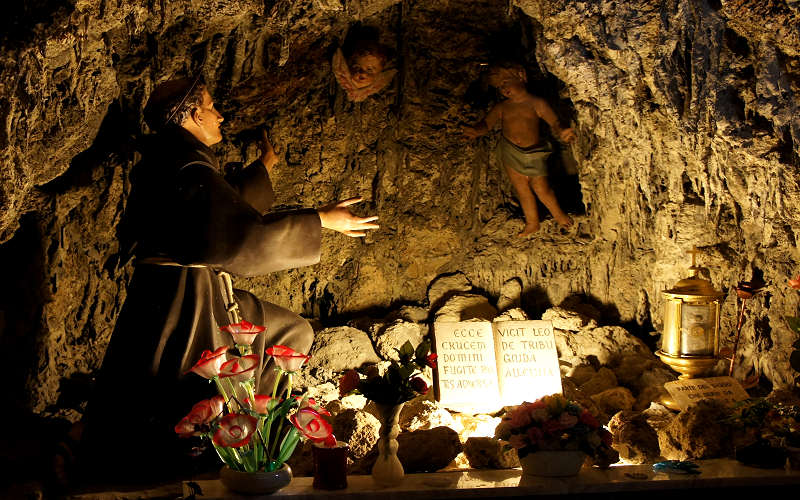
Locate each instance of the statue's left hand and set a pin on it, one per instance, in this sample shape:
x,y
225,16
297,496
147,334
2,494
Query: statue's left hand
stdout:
x,y
268,156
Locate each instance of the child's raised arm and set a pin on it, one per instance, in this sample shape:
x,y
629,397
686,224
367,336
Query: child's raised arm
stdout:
x,y
484,126
547,114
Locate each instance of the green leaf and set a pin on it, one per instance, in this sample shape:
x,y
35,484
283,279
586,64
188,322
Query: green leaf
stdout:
x,y
407,350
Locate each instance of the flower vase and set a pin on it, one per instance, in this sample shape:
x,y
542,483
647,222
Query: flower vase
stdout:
x,y
388,471
256,483
552,463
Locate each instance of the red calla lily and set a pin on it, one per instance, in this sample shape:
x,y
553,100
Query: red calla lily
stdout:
x,y
262,404
202,414
210,362
239,366
311,425
244,332
287,358
235,430
311,403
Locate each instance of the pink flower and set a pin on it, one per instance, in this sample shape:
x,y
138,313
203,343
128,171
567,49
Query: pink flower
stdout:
x,y
520,417
517,441
262,404
795,283
567,420
587,418
287,358
202,414
431,360
418,385
210,362
239,366
235,430
349,382
535,435
311,425
244,332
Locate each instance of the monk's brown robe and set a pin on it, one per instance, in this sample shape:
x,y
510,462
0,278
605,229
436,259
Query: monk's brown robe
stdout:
x,y
182,209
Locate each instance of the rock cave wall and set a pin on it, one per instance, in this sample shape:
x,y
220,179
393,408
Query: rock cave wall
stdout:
x,y
687,136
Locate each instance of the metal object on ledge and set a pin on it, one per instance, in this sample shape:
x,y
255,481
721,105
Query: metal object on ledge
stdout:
x,y
690,341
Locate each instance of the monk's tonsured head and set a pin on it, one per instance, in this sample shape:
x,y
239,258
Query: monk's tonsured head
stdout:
x,y
184,102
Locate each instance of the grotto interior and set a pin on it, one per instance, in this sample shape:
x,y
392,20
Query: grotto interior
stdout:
x,y
686,135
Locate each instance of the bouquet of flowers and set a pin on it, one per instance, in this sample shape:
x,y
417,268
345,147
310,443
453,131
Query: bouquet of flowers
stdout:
x,y
556,423
246,429
777,424
400,382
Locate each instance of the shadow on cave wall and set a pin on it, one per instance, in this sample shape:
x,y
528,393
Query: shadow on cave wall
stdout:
x,y
24,291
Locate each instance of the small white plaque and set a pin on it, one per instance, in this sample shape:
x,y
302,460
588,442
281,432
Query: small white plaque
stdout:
x,y
689,391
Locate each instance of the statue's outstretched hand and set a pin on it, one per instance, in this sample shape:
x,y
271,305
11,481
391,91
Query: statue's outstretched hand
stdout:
x,y
338,217
268,156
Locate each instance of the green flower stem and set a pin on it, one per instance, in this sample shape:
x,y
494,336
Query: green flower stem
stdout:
x,y
277,436
288,445
233,391
267,429
289,388
221,390
277,380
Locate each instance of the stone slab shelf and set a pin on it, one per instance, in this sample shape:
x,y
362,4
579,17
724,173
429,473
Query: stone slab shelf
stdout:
x,y
633,481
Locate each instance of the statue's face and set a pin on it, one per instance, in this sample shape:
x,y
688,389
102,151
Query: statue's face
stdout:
x,y
510,84
364,69
209,120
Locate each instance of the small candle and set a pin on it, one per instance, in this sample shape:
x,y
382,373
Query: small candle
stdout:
x,y
330,466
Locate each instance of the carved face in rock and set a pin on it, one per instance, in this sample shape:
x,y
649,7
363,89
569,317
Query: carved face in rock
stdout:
x,y
364,68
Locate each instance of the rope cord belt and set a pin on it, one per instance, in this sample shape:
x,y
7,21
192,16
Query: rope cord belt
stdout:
x,y
226,283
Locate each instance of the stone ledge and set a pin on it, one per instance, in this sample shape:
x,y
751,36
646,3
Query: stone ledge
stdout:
x,y
716,474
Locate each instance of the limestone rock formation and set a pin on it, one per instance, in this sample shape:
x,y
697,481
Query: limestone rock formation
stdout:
x,y
697,432
425,450
358,429
466,307
394,335
490,453
606,343
634,439
338,349
423,414
685,112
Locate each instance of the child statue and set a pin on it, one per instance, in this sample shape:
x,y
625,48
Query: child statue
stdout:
x,y
520,148
362,73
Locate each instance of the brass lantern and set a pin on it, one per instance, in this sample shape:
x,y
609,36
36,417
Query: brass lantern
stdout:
x,y
690,342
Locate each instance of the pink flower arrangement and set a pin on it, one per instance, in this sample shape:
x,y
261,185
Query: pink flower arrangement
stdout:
x,y
400,382
556,423
247,429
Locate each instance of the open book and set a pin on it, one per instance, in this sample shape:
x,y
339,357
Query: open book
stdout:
x,y
483,366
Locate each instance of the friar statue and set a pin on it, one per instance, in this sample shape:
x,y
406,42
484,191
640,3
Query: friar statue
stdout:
x,y
188,224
